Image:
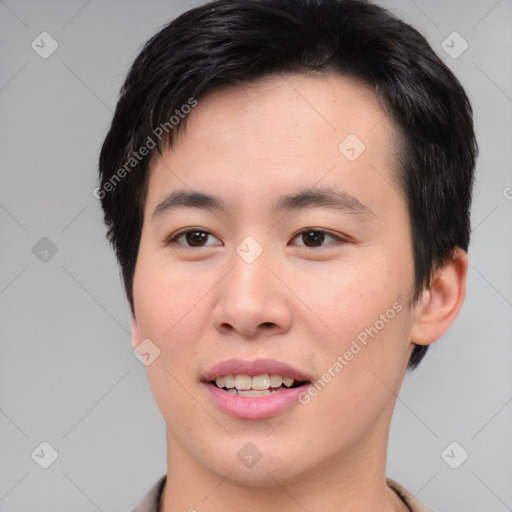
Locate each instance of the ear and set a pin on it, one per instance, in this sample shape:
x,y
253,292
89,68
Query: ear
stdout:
x,y
135,332
438,306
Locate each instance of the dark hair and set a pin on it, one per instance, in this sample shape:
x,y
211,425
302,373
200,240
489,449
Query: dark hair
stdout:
x,y
228,42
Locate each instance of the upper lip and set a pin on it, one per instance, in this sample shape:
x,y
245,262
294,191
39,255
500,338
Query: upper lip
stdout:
x,y
254,367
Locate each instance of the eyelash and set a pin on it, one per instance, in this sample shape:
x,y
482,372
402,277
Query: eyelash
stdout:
x,y
174,237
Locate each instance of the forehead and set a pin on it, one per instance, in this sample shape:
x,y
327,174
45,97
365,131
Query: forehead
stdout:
x,y
273,134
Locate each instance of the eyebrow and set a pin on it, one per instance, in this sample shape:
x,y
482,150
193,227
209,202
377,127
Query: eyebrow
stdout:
x,y
323,198
188,199
305,199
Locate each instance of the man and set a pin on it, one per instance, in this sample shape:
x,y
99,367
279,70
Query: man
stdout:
x,y
287,188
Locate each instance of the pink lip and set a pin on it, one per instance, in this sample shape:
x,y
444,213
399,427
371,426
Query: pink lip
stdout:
x,y
253,408
252,368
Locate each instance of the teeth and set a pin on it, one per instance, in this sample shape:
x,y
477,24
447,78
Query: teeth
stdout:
x,y
287,381
276,381
258,383
254,392
229,381
243,382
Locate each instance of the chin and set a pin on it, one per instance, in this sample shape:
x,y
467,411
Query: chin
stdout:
x,y
257,464
261,475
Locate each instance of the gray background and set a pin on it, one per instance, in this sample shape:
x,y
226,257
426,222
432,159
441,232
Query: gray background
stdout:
x,y
68,375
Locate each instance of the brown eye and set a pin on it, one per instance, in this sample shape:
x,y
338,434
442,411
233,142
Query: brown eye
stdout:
x,y
196,238
193,238
313,238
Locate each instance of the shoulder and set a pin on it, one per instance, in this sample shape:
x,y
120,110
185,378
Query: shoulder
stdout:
x,y
151,500
408,498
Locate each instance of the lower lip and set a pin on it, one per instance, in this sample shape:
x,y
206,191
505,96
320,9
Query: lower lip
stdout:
x,y
254,408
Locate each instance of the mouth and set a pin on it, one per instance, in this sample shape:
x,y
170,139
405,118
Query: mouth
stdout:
x,y
256,389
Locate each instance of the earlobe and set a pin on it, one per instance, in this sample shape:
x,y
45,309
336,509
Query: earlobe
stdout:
x,y
440,304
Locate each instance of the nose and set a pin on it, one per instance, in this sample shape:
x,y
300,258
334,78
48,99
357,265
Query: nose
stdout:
x,y
251,301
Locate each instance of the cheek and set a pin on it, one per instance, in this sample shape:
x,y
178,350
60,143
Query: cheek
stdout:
x,y
165,297
171,310
170,313
365,305
362,362
356,295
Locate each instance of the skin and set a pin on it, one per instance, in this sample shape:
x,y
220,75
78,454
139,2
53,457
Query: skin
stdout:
x,y
301,305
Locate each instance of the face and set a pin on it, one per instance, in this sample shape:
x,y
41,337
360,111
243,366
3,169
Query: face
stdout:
x,y
298,264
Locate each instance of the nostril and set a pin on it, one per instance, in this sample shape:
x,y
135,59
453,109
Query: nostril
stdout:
x,y
247,328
